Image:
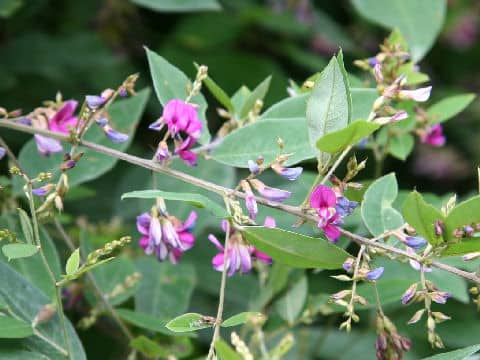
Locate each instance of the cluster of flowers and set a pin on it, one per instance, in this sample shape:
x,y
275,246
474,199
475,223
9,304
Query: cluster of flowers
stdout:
x,y
331,208
64,121
164,235
184,126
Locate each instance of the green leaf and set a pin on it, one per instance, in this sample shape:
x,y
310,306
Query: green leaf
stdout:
x,y
291,107
219,93
197,200
401,146
144,321
9,7
362,102
11,328
419,22
260,138
17,251
465,213
170,83
125,115
296,250
449,107
24,302
377,211
188,322
346,82
165,289
257,94
338,140
73,262
225,352
290,305
465,246
328,105
422,217
179,6
413,77
26,224
240,319
460,354
148,347
240,96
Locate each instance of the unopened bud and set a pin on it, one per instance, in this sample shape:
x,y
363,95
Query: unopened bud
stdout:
x,y
44,314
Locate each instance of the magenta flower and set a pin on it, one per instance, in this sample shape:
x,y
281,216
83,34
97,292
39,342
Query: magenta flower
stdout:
x,y
61,122
324,200
182,149
165,236
239,253
434,136
180,116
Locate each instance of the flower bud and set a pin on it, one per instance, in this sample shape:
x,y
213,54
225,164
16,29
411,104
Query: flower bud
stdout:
x,y
94,101
409,294
253,167
375,274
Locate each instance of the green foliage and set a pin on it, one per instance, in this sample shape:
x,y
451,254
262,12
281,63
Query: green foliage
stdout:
x,y
291,304
328,108
339,140
196,200
73,262
225,352
377,211
171,83
260,138
401,146
296,250
448,107
419,21
18,251
460,354
12,328
179,6
144,321
188,322
422,217
26,224
257,94
240,319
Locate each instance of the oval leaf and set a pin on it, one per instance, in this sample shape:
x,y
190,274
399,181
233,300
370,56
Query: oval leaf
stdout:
x,y
179,6
338,140
18,251
465,213
257,94
419,21
188,322
377,211
26,225
296,250
225,352
449,107
240,319
328,105
460,354
197,200
11,328
73,263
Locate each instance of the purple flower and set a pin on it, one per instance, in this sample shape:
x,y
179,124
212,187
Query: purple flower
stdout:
x,y
288,173
114,135
162,153
440,297
415,242
375,274
180,116
373,61
324,200
182,149
348,264
44,190
415,264
345,207
239,253
123,92
61,122
2,152
250,201
272,194
420,95
253,167
409,294
165,236
94,101
434,136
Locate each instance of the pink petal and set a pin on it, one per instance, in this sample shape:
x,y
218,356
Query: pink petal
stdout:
x,y
215,242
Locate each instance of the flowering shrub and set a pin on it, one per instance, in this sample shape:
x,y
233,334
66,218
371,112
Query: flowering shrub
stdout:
x,y
306,239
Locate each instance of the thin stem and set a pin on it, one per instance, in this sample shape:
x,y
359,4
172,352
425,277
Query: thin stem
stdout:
x,y
221,300
377,299
98,291
58,295
50,342
336,164
293,210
